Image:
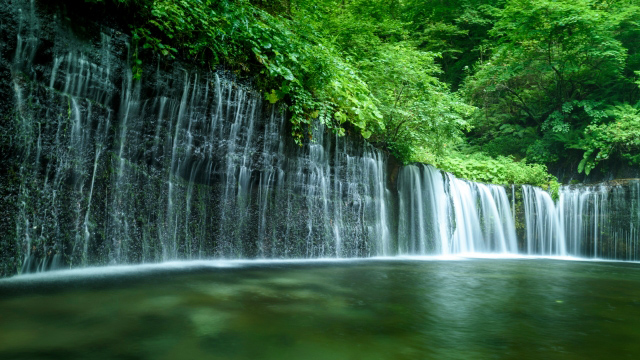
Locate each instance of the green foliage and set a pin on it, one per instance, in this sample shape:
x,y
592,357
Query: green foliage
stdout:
x,y
509,139
457,29
499,170
496,170
419,111
621,136
556,67
543,151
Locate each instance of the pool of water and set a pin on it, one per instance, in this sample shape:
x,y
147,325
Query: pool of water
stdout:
x,y
363,309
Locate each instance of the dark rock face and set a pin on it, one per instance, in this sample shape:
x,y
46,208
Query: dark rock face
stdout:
x,y
9,180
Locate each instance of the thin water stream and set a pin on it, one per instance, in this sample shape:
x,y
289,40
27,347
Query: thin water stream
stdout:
x,y
362,309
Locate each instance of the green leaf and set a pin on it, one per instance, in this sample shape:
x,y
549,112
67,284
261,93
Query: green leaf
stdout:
x,y
581,165
272,97
340,117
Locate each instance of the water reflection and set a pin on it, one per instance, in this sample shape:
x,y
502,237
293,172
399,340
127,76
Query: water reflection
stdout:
x,y
351,310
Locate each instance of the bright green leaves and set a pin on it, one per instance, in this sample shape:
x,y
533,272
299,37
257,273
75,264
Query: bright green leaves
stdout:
x,y
587,162
620,137
573,112
418,110
401,105
556,66
272,97
313,78
498,170
340,117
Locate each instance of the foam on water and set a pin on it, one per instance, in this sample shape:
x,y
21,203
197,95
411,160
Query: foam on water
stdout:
x,y
115,271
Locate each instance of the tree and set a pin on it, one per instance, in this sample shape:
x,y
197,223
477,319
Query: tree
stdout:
x,y
419,112
556,67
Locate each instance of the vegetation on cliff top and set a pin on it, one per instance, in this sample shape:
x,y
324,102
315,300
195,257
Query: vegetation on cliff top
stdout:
x,y
491,90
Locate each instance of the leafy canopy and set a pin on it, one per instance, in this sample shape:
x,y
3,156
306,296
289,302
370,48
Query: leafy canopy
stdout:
x,y
556,69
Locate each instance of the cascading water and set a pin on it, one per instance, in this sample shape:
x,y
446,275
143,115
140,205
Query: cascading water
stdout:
x,y
424,211
440,214
587,221
591,230
185,164
177,165
544,234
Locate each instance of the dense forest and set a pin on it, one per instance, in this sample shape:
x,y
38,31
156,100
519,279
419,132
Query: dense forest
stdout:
x,y
492,90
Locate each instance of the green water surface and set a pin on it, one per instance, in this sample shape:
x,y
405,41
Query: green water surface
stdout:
x,y
370,309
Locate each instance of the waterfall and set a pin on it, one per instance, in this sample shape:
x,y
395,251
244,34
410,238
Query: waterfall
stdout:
x,y
441,214
544,234
591,230
180,164
424,222
188,164
599,221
